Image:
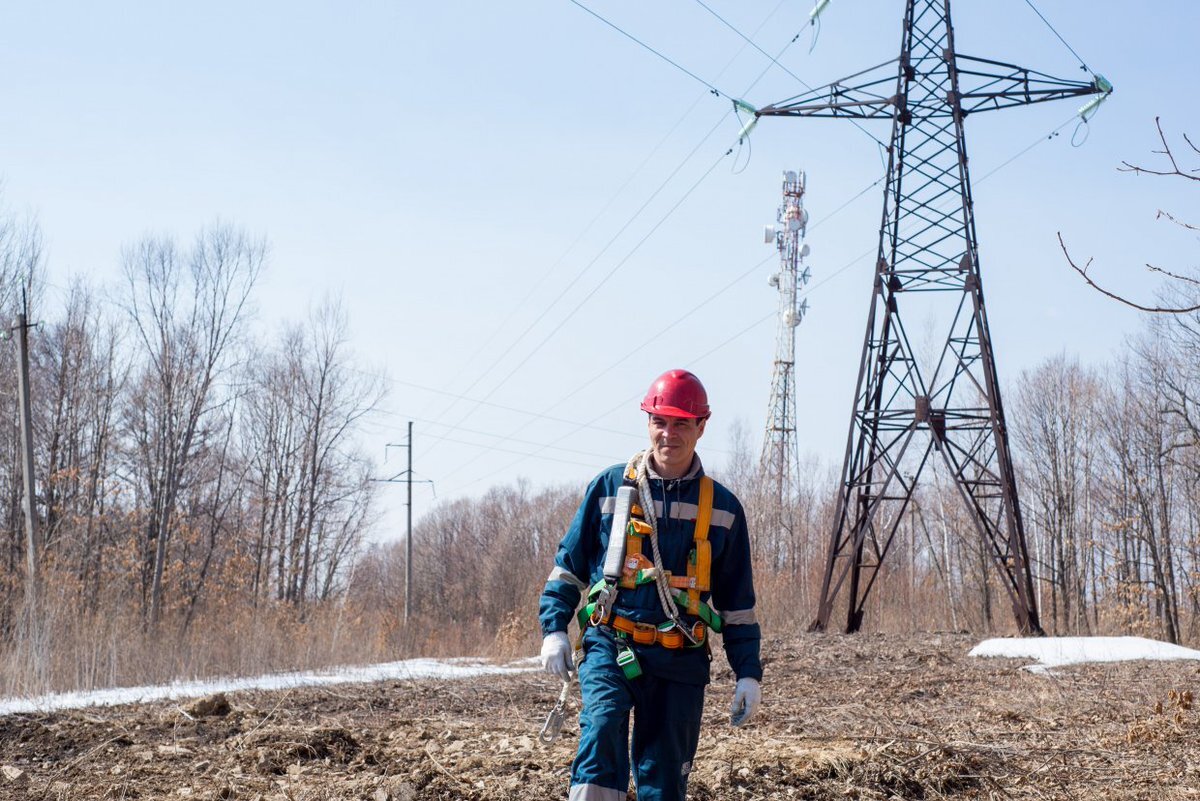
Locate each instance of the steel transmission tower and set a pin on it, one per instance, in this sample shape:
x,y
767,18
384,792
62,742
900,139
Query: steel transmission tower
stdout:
x,y
907,408
779,463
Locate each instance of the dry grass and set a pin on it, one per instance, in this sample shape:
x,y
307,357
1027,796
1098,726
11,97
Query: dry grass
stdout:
x,y
865,717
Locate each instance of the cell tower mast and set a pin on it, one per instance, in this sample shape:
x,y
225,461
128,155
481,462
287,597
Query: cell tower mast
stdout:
x,y
906,408
779,462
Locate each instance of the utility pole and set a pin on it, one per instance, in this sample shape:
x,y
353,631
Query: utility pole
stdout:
x,y
928,264
408,531
33,611
32,544
408,538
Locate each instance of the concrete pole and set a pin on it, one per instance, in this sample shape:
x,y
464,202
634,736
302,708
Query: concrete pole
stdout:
x,y
408,580
32,544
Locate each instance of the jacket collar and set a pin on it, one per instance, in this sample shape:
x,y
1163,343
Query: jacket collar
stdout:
x,y
694,472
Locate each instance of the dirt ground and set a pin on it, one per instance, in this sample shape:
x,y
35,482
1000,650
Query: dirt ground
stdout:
x,y
862,716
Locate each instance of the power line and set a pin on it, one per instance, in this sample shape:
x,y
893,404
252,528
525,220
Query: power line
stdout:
x,y
1054,132
625,358
809,290
775,61
526,455
550,306
516,462
1082,64
638,41
477,432
746,38
679,320
499,406
546,310
606,278
625,402
536,285
649,341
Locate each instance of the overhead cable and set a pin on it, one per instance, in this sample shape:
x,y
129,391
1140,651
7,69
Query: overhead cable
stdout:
x,y
548,307
570,315
638,41
775,62
535,285
610,273
808,291
1082,64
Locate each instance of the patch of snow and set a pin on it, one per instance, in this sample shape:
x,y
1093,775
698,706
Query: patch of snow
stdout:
x,y
460,668
1052,652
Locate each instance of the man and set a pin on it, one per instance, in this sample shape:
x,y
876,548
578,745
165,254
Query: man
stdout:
x,y
683,572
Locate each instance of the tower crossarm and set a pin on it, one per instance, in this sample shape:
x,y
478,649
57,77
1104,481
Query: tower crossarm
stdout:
x,y
985,85
865,95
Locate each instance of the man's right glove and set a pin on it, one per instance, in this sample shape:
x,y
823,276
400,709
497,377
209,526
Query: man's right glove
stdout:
x,y
556,655
747,695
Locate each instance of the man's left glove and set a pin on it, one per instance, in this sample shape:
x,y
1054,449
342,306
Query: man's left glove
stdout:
x,y
556,655
747,695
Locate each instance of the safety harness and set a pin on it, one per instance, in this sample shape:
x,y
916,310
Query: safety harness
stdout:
x,y
627,567
676,593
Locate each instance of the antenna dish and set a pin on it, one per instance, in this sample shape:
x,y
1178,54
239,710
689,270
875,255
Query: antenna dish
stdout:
x,y
773,280
805,250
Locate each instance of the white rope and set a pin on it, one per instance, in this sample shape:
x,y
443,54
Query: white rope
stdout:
x,y
639,465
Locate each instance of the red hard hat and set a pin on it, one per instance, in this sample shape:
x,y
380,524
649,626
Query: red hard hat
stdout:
x,y
676,393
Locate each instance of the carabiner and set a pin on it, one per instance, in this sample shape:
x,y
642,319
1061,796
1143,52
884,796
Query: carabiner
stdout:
x,y
558,714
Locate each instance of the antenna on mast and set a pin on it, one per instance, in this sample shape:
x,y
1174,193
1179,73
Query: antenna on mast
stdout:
x,y
779,463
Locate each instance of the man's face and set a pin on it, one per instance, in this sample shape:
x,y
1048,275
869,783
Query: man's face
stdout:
x,y
673,443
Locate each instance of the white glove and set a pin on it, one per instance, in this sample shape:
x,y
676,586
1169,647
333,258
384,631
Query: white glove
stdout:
x,y
747,695
556,655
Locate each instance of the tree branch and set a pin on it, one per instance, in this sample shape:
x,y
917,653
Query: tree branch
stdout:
x,y
1170,274
1083,272
1180,223
1194,175
1191,175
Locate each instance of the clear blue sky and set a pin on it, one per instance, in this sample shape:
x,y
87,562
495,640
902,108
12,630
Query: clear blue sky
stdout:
x,y
451,168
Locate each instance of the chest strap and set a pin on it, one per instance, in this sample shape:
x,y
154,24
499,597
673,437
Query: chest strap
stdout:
x,y
699,569
638,569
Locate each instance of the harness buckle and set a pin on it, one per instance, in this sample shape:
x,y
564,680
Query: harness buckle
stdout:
x,y
628,662
689,633
604,598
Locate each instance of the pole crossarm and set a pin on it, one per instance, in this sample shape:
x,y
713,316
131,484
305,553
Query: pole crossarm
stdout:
x,y
869,94
984,85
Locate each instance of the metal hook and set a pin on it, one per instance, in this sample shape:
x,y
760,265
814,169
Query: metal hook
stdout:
x,y
558,714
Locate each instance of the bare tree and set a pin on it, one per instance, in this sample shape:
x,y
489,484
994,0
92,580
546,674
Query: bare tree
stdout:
x,y
1145,494
1056,408
80,372
187,309
312,496
21,280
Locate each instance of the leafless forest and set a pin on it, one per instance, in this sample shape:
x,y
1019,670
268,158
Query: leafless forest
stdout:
x,y
203,497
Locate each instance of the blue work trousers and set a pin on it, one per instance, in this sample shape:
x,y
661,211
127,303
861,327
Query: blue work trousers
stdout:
x,y
666,730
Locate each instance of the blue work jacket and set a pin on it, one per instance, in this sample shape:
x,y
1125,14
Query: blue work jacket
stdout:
x,y
579,564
